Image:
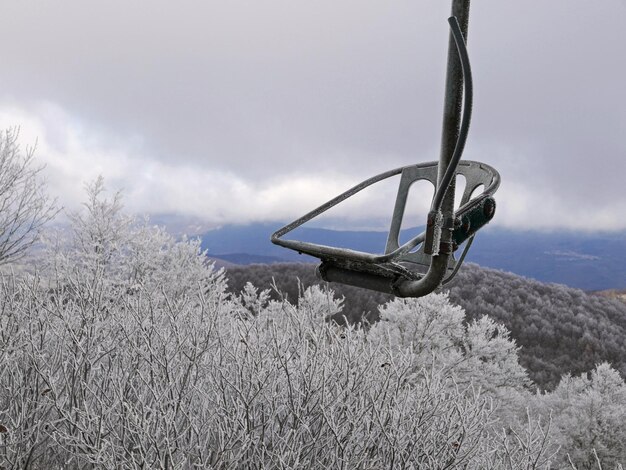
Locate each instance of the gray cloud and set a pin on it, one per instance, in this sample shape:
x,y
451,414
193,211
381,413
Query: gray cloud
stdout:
x,y
256,94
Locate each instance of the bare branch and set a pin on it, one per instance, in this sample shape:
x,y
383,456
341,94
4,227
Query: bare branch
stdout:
x,y
24,206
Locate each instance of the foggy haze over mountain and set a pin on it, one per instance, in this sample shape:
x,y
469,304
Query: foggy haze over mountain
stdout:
x,y
235,112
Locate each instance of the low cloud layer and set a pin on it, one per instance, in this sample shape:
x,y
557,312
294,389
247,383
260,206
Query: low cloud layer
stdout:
x,y
249,111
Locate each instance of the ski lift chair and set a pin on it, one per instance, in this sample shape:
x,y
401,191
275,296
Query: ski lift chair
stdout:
x,y
426,261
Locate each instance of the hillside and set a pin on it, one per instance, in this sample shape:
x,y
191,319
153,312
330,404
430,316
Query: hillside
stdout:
x,y
559,329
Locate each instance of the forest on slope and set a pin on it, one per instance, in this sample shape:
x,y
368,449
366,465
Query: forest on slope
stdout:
x,y
559,330
124,349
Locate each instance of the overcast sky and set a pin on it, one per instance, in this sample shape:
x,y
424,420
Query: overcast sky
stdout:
x,y
259,110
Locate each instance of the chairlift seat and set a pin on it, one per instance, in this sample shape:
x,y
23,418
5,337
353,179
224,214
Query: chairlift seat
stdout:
x,y
407,262
426,261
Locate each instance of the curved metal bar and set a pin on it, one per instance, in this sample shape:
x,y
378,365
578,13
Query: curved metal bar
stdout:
x,y
333,202
439,262
459,262
467,114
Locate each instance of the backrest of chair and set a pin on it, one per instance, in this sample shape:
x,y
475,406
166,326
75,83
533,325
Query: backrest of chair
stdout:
x,y
476,174
410,175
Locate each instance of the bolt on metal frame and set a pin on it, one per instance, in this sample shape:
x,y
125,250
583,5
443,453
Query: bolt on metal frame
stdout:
x,y
425,262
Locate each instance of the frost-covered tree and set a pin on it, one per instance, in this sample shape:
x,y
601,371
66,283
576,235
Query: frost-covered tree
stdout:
x,y
589,417
24,205
480,353
106,246
129,353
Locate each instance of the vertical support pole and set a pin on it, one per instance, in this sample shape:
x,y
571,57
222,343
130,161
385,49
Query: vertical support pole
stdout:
x,y
452,110
452,114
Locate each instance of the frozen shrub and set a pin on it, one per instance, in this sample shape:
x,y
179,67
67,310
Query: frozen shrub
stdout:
x,y
170,384
128,353
481,353
589,417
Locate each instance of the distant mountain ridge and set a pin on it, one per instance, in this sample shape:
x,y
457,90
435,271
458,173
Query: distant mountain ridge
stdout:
x,y
588,261
246,258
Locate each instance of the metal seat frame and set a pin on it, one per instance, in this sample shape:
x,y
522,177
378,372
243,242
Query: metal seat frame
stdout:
x,y
386,266
426,261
